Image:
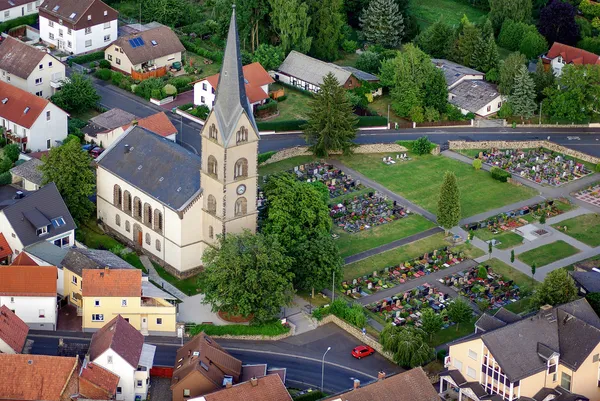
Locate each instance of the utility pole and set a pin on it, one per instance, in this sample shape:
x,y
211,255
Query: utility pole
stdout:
x,y
388,119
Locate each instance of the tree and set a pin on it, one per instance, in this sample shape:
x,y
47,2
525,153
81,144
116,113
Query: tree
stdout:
x,y
368,61
466,44
543,218
76,95
522,98
517,10
353,9
436,91
331,123
512,34
422,146
250,14
477,164
557,288
533,45
574,99
291,21
172,12
407,344
509,69
12,152
327,22
459,312
319,261
490,249
482,272
437,40
431,321
449,202
557,23
382,23
512,256
533,267
247,274
5,165
593,299
69,168
270,57
543,79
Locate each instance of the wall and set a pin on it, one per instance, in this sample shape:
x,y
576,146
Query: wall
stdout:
x,y
9,234
19,11
121,368
585,380
494,107
27,308
52,70
56,129
460,352
209,96
71,287
5,349
78,38
124,63
106,139
144,376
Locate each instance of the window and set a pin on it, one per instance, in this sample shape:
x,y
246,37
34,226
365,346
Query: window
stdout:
x,y
105,13
39,93
117,196
241,169
118,60
565,381
69,31
51,36
139,383
158,221
88,43
148,239
98,317
123,302
109,359
159,320
7,14
211,232
241,206
12,300
211,204
158,245
147,214
202,100
74,279
471,372
489,108
107,38
186,392
127,202
62,242
107,25
204,89
51,24
212,166
41,66
212,131
109,57
29,7
241,135
127,226
69,43
118,220
119,390
41,231
137,208
48,115
50,64
48,143
60,33
457,364
96,302
42,313
89,17
472,354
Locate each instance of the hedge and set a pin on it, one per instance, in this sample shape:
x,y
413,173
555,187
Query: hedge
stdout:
x,y
13,23
5,178
194,48
499,174
186,106
87,58
311,396
371,121
353,314
270,105
285,125
267,329
263,157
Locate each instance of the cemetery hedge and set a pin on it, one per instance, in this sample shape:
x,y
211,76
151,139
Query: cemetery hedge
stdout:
x,y
409,145
270,329
297,125
548,253
499,174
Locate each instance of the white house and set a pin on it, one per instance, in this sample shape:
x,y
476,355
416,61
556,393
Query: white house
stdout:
x,y
30,68
13,332
119,348
11,9
29,120
455,73
78,27
478,97
560,55
30,293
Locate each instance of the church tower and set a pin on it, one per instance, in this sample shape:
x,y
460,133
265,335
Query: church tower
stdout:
x,y
229,174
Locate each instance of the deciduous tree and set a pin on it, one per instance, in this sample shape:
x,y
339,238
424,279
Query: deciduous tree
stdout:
x,y
557,288
318,259
407,344
449,202
574,99
522,98
291,21
436,91
382,23
270,57
557,23
369,61
533,45
509,69
76,95
437,40
543,79
459,311
517,10
477,164
431,321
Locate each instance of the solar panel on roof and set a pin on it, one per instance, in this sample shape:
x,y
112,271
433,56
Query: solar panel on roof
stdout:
x,y
133,43
140,41
136,42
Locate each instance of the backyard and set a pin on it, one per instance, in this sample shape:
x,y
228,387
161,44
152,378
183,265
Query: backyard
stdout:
x,y
548,253
584,228
294,107
429,11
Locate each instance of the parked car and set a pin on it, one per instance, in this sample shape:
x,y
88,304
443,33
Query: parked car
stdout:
x,y
361,351
87,147
97,151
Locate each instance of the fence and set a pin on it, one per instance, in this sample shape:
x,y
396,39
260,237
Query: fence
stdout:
x,y
157,73
161,371
466,123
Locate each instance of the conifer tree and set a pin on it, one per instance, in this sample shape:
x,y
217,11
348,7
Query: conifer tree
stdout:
x,y
382,23
523,96
466,44
326,28
449,202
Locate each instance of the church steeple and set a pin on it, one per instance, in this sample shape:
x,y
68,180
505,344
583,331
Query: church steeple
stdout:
x,y
231,99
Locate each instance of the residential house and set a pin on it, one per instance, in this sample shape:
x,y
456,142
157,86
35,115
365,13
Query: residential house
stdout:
x,y
560,55
29,120
30,292
413,385
78,27
202,366
149,192
11,9
38,377
29,68
28,175
256,389
554,353
97,383
110,292
13,332
119,348
307,73
256,81
5,251
586,282
455,73
153,50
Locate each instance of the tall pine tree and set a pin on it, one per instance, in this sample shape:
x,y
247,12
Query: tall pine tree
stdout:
x,y
467,43
382,23
326,27
449,202
523,95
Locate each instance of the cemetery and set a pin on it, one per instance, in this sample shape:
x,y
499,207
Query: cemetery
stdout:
x,y
590,194
338,182
538,165
548,253
584,228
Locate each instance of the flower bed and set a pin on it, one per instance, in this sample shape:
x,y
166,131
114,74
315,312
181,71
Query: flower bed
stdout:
x,y
365,211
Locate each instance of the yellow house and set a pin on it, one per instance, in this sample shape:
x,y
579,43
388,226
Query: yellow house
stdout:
x,y
553,355
108,293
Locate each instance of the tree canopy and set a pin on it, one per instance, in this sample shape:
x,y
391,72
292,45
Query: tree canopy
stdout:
x,y
318,260
574,99
557,22
517,10
437,40
449,202
76,95
326,26
522,98
557,288
509,69
459,311
382,23
407,344
291,21
270,57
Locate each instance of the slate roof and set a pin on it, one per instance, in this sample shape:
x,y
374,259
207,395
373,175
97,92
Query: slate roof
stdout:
x,y
18,58
45,251
77,259
113,118
506,316
95,382
269,388
17,101
31,281
13,331
488,323
166,43
255,76
155,165
121,337
362,75
44,204
29,170
558,394
66,9
572,54
310,69
454,72
473,95
111,283
588,280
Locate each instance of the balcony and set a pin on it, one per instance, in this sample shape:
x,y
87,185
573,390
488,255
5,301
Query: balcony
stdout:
x,y
14,137
56,84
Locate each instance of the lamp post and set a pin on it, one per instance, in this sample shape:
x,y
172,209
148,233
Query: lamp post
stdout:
x,y
323,367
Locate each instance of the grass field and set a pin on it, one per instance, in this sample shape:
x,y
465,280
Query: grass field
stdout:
x,y
292,108
451,334
429,11
507,239
470,251
380,105
548,253
419,181
584,228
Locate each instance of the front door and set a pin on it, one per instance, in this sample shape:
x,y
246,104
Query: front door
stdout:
x,y
144,323
139,238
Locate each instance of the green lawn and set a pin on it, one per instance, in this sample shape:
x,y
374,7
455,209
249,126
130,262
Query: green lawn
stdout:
x,y
419,181
294,107
283,165
470,251
429,11
394,256
349,60
510,273
188,286
584,228
508,239
207,69
380,105
549,253
350,244
451,334
521,306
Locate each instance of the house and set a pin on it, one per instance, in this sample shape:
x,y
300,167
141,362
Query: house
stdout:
x,y
478,97
29,68
413,385
28,175
77,27
38,377
29,120
586,282
110,292
162,200
307,73
5,251
13,332
256,82
119,348
97,383
30,293
256,389
153,50
455,73
552,353
202,366
17,8
560,55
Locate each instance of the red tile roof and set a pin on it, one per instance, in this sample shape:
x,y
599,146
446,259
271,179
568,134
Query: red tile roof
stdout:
x,y
19,101
33,281
158,123
13,331
265,388
23,259
255,76
111,283
35,377
97,383
4,247
572,54
121,337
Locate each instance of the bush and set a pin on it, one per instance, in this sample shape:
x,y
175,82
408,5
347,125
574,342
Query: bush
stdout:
x,y
170,90
5,165
499,174
185,106
270,105
369,61
312,396
441,354
201,111
194,48
591,44
103,74
12,151
477,164
285,125
349,46
422,146
150,88
354,314
6,178
281,98
104,64
590,9
598,168
263,157
585,28
181,83
13,23
266,329
505,110
87,58
2,142
371,121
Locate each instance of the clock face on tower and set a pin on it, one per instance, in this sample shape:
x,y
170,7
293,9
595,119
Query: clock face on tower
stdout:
x,y
241,189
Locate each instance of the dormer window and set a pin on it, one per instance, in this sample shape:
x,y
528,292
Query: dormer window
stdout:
x,y
58,222
42,231
105,13
89,17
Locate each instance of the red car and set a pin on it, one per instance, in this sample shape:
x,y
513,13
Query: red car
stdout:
x,y
361,351
97,151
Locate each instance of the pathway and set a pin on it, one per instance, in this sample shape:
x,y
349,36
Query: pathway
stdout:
x,y
298,314
170,288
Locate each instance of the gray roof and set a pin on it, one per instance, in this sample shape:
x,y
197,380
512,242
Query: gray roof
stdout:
x,y
454,72
19,58
150,290
588,280
362,75
113,118
29,171
488,323
506,316
44,204
47,252
157,166
473,95
558,393
78,259
310,69
157,42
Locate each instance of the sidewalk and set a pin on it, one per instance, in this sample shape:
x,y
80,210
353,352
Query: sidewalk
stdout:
x,y
170,288
297,314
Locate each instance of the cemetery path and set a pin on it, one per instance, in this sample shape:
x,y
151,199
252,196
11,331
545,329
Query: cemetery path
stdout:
x,y
430,278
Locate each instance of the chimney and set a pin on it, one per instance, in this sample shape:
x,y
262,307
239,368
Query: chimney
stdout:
x,y
61,342
381,375
134,123
19,195
254,381
126,148
228,384
545,308
356,384
86,360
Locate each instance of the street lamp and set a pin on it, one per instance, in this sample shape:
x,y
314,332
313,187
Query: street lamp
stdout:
x,y
323,367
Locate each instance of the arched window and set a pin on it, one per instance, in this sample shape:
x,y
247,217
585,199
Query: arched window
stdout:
x,y
240,170
147,214
147,238
137,208
241,207
158,245
212,132
117,197
211,204
158,221
241,135
127,202
211,232
118,220
127,226
212,166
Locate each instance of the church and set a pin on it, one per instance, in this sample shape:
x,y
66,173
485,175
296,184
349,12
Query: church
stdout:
x,y
171,204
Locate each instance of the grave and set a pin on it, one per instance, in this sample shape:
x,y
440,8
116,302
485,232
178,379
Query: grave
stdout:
x,y
590,195
336,180
363,212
